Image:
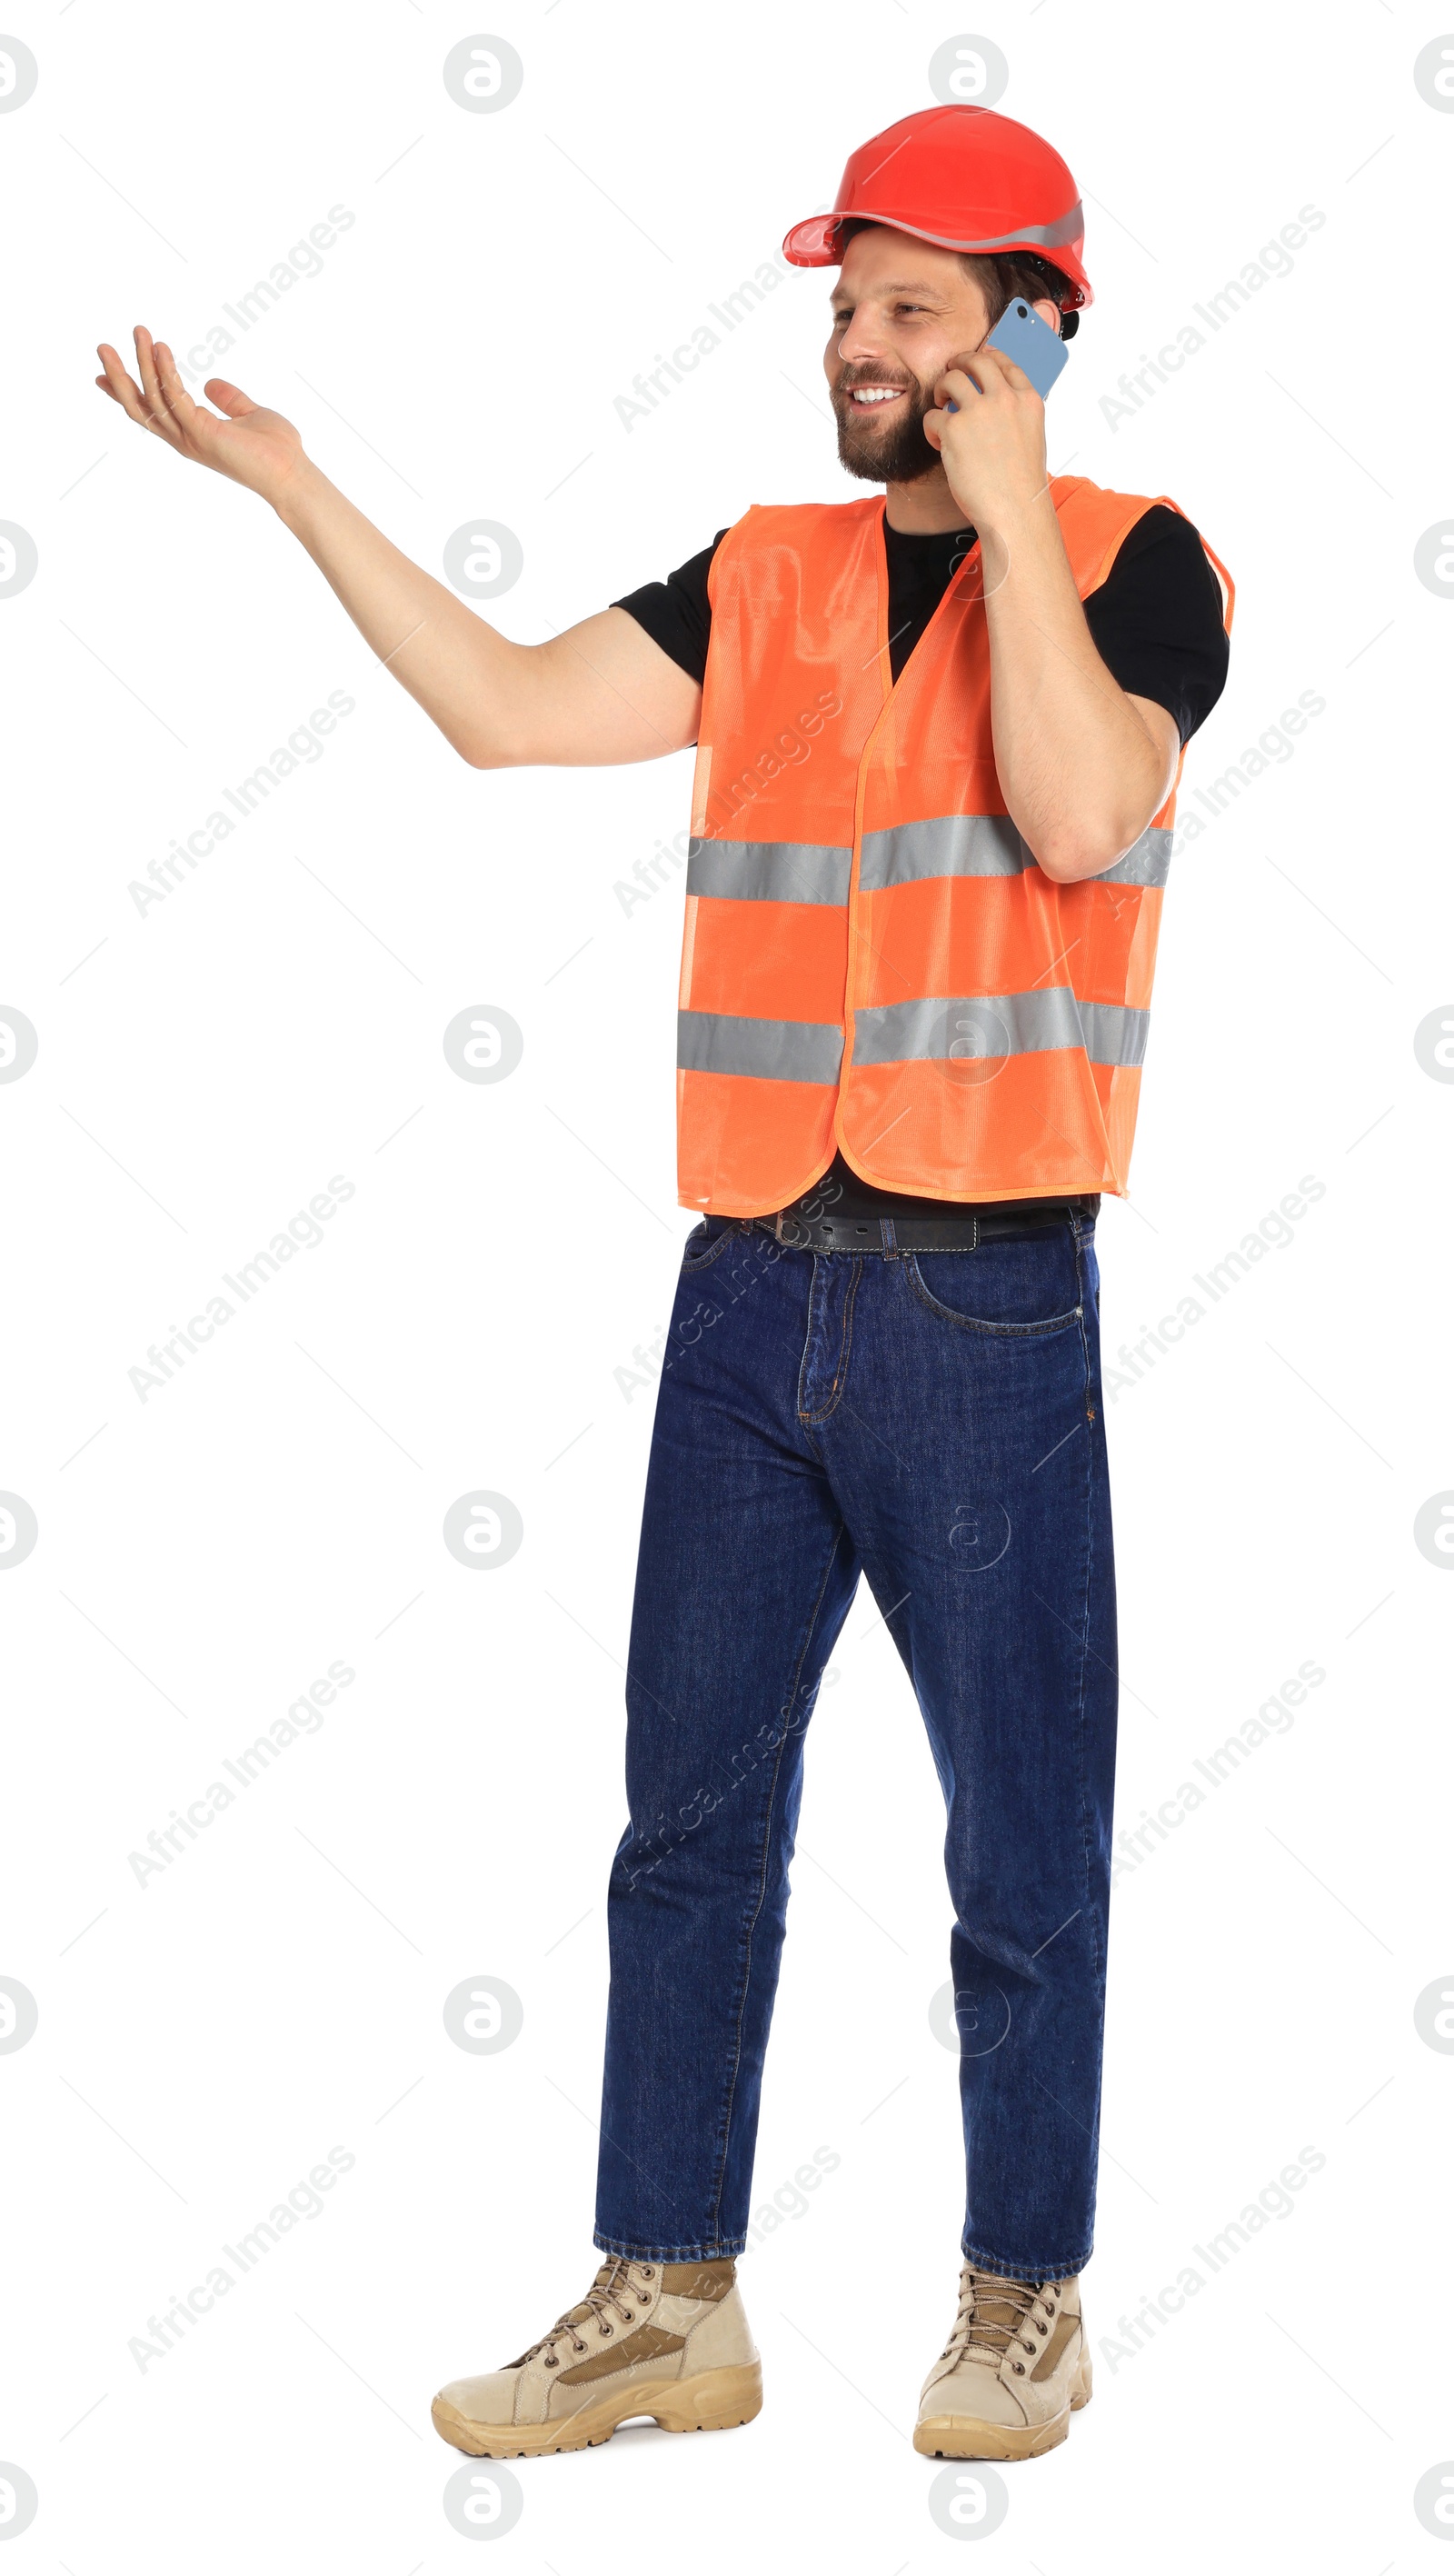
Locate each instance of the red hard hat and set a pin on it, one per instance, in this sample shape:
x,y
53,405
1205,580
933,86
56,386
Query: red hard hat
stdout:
x,y
964,177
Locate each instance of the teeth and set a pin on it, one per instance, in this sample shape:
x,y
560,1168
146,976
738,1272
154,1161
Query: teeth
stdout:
x,y
876,393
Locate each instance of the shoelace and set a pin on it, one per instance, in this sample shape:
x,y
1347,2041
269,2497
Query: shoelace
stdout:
x,y
978,2336
611,2289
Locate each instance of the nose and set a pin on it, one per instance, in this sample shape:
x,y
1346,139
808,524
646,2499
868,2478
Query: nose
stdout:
x,y
858,341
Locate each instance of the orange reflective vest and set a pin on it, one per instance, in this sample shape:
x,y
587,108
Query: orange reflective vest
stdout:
x,y
872,959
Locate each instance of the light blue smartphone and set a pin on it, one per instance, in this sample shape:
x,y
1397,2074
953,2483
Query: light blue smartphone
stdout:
x,y
1020,334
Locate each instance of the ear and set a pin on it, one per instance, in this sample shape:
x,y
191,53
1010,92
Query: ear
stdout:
x,y
1049,313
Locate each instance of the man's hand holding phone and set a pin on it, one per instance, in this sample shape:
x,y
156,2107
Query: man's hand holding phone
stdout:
x,y
1002,458
989,429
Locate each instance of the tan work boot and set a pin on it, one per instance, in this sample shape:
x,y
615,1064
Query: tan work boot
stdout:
x,y
669,2340
1014,2369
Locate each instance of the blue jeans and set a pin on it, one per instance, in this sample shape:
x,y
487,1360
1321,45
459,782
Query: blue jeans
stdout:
x,y
935,1421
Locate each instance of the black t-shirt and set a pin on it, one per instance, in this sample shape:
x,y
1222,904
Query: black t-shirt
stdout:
x,y
1156,622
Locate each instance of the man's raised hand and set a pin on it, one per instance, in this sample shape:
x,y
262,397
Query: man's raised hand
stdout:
x,y
252,446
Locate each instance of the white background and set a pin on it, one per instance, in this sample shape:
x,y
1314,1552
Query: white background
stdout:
x,y
277,1990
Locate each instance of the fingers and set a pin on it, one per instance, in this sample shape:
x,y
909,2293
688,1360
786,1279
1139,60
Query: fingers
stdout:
x,y
229,397
160,415
120,387
981,369
151,390
142,403
1007,368
160,402
955,386
180,406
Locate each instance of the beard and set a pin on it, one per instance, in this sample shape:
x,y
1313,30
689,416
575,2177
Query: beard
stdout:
x,y
877,453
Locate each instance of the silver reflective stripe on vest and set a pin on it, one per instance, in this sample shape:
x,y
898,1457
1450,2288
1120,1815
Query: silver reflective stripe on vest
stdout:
x,y
976,1026
949,845
769,871
767,1050
1146,863
987,845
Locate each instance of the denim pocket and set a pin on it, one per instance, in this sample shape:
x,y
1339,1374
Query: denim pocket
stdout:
x,y
1014,1285
707,1242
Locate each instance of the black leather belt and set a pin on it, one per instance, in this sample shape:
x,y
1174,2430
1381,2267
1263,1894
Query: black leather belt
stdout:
x,y
847,1232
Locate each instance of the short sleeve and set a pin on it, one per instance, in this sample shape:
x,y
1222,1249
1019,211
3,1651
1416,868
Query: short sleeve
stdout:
x,y
1157,619
677,613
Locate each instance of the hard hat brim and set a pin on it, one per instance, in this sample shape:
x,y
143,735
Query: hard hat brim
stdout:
x,y
814,244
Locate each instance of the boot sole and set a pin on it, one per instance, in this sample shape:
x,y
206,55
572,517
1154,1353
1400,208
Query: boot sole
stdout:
x,y
968,2437
712,2402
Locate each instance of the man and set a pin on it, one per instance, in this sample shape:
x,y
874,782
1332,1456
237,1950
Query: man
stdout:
x,y
939,736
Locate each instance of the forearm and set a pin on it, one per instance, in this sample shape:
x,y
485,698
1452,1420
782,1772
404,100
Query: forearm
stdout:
x,y
477,686
1079,769
600,692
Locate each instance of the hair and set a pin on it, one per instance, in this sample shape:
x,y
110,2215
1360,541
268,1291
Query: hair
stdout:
x,y
1000,276
1020,272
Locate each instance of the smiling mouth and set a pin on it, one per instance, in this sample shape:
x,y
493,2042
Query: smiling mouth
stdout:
x,y
876,397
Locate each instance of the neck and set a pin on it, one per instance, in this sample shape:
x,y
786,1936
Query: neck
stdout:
x,y
924,508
